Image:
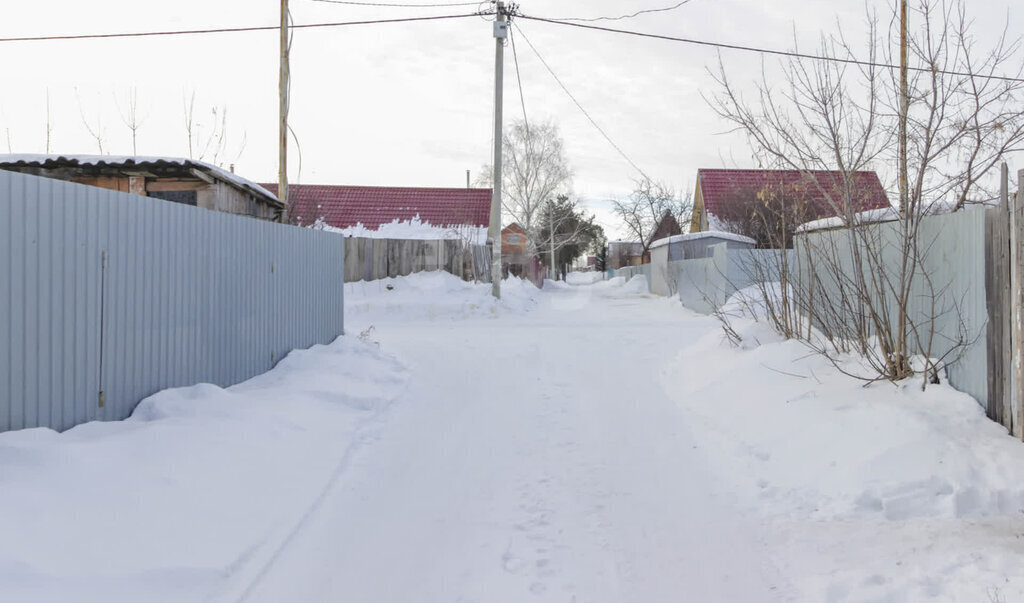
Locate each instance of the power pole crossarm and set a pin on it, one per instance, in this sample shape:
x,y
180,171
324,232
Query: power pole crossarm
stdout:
x,y
494,230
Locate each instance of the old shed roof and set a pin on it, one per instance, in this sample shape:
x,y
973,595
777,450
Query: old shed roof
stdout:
x,y
137,163
721,188
343,206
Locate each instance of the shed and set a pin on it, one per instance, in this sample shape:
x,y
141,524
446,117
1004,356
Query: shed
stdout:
x,y
178,180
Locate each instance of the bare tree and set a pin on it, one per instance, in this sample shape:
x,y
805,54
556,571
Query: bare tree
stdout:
x,y
647,206
130,116
963,114
534,172
208,139
95,130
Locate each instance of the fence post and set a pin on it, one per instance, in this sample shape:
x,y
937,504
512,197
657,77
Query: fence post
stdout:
x,y
1017,303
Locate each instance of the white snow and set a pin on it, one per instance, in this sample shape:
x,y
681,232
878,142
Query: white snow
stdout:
x,y
706,234
410,229
585,442
583,278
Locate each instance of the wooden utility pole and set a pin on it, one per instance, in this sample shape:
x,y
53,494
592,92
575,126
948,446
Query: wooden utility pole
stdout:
x,y
904,200
283,98
494,230
1017,305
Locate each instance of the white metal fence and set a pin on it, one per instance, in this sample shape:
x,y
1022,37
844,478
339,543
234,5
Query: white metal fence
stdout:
x,y
106,298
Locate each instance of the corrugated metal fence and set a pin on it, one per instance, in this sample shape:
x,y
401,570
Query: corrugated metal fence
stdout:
x,y
948,299
106,298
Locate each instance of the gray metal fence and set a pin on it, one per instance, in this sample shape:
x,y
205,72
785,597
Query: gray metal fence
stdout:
x,y
948,297
106,298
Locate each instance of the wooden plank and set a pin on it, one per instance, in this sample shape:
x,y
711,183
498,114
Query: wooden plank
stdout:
x,y
175,185
353,259
380,259
1017,303
997,331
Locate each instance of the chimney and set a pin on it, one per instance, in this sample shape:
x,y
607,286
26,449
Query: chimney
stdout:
x,y
467,178
232,168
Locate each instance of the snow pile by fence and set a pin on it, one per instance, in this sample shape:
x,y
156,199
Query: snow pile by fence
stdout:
x,y
922,454
174,503
434,295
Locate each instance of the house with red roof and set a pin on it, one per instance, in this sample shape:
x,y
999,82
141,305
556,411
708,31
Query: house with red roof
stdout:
x,y
371,207
721,193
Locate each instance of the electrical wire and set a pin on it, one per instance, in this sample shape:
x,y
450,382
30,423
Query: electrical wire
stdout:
x,y
784,53
229,29
580,107
519,80
621,17
389,5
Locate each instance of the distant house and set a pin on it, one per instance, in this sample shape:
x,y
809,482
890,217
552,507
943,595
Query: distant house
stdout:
x,y
517,252
177,180
667,226
721,193
625,253
392,211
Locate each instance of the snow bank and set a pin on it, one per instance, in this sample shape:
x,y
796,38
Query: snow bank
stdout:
x,y
435,295
583,278
410,229
814,442
193,494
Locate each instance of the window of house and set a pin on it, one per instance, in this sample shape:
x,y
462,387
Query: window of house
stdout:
x,y
183,197
514,239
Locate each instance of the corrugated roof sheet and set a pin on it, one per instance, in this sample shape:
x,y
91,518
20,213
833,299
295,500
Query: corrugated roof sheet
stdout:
x,y
720,188
58,161
343,206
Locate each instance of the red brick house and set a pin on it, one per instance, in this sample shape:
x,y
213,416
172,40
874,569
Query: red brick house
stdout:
x,y
720,191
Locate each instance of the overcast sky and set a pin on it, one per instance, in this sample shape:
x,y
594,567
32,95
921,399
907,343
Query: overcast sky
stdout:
x,y
404,104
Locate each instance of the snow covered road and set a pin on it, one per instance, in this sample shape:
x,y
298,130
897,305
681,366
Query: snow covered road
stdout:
x,y
532,459
587,444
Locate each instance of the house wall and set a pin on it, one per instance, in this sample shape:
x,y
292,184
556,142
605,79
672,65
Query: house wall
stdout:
x,y
111,297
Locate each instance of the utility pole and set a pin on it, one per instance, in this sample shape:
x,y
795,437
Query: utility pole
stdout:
x,y
494,231
282,134
904,194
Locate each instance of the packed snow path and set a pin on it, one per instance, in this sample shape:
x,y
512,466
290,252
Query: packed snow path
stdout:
x,y
532,458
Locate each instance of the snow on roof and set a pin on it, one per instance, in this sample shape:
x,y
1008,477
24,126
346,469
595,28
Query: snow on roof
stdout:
x,y
414,229
52,161
707,234
345,206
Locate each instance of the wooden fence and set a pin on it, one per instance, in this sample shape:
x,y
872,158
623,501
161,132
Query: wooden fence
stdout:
x,y
372,259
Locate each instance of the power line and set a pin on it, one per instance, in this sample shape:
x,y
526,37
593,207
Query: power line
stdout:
x,y
579,106
785,53
389,5
630,16
228,29
519,80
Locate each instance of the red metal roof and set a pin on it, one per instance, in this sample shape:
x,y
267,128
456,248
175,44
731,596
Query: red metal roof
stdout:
x,y
719,188
343,206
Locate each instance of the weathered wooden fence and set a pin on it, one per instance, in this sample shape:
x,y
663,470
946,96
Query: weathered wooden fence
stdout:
x,y
372,259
